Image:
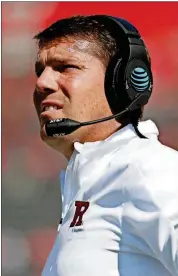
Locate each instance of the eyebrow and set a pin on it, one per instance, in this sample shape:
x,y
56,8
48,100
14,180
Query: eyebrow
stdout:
x,y
61,59
58,60
39,65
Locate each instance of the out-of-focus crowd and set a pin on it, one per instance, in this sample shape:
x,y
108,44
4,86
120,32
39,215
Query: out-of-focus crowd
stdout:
x,y
31,203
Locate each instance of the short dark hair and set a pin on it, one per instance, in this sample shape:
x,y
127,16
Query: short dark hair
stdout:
x,y
89,28
85,27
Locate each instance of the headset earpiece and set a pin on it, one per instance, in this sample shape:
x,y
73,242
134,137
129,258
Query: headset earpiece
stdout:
x,y
128,74
138,79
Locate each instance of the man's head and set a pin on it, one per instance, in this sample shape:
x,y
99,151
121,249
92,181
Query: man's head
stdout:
x,y
71,65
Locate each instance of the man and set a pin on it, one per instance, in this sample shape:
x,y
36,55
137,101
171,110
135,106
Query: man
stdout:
x,y
120,188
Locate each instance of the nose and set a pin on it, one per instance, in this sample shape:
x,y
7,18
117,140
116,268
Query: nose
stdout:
x,y
47,81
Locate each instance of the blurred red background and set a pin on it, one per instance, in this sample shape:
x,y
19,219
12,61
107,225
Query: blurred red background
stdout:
x,y
31,203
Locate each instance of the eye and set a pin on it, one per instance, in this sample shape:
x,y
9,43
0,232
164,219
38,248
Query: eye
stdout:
x,y
38,69
65,67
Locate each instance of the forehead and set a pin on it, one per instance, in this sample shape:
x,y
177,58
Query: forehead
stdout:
x,y
71,50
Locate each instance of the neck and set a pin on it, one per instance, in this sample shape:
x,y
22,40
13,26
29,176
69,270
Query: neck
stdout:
x,y
92,133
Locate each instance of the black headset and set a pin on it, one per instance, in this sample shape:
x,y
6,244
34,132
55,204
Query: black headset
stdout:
x,y
128,79
128,74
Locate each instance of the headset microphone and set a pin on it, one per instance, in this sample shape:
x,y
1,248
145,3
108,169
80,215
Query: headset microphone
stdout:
x,y
64,126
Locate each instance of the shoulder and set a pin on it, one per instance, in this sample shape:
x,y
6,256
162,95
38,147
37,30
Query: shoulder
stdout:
x,y
150,155
147,156
156,174
150,177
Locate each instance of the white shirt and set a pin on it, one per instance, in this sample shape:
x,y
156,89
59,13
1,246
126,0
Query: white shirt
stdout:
x,y
125,190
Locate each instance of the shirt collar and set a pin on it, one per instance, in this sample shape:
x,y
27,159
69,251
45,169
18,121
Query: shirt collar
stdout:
x,y
147,128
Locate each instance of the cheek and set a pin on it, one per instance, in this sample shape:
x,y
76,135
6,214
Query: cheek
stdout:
x,y
86,93
37,102
92,81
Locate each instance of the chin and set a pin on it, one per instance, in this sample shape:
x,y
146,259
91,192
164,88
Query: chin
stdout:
x,y
49,139
61,144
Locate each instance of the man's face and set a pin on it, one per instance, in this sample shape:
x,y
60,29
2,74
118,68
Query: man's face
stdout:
x,y
70,84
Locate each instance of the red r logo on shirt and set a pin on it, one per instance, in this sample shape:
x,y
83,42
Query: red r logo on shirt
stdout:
x,y
81,208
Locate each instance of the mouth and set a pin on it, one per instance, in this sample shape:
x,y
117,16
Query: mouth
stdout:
x,y
50,105
50,110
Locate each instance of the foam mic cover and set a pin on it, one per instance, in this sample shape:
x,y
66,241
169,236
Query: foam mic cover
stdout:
x,y
61,127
